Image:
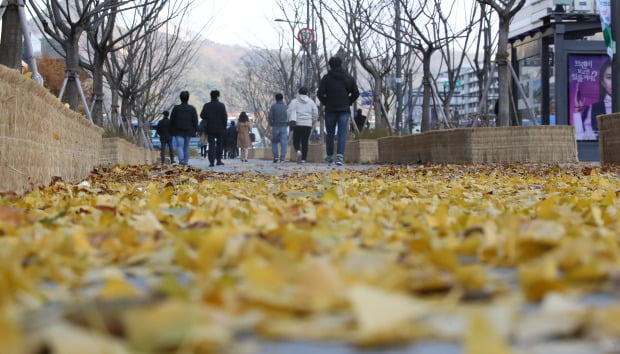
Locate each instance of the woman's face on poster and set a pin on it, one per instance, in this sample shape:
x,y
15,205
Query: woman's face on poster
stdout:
x,y
606,80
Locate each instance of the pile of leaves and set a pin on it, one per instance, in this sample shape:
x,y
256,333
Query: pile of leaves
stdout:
x,y
501,258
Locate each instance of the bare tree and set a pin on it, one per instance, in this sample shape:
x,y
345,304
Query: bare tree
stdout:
x,y
482,56
374,50
65,22
506,10
142,74
454,52
426,33
107,37
256,88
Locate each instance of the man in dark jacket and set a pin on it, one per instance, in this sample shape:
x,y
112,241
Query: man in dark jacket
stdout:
x,y
214,113
360,120
231,141
337,92
165,138
183,126
278,120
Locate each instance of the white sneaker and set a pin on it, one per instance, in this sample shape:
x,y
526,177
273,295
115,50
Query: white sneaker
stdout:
x,y
298,156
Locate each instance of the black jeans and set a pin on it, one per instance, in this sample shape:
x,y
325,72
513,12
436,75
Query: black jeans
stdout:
x,y
301,134
164,143
216,146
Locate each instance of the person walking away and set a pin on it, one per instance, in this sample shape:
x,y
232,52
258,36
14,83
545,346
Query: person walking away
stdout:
x,y
279,128
360,120
214,113
303,111
243,135
204,138
337,92
183,126
231,140
165,138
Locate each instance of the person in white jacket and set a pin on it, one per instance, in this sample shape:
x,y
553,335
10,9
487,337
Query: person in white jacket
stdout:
x,y
302,114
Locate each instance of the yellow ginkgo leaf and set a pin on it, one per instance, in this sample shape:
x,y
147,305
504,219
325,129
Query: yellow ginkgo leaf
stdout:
x,y
376,310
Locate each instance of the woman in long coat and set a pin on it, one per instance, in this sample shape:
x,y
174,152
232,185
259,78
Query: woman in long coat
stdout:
x,y
243,135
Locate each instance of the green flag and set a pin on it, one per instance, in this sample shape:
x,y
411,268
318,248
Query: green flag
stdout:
x,y
604,9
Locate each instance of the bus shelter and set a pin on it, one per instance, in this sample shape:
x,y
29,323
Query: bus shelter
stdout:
x,y
560,65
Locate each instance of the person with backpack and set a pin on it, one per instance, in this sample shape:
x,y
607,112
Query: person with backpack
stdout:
x,y
303,111
165,138
183,126
278,121
214,112
337,92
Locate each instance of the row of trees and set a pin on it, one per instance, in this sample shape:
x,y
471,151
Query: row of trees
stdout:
x,y
135,50
392,46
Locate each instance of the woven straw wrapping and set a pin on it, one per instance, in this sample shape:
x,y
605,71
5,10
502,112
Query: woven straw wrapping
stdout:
x,y
480,145
362,151
316,153
40,138
118,151
542,143
609,138
390,149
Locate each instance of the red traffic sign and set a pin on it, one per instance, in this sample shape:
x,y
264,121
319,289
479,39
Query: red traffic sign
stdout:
x,y
305,36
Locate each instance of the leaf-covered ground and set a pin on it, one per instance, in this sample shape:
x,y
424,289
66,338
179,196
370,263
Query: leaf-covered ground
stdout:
x,y
503,259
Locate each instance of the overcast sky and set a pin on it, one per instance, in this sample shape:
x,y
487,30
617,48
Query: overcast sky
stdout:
x,y
238,21
244,22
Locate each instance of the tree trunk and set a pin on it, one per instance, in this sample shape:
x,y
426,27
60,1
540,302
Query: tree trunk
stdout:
x,y
114,116
97,113
426,96
126,114
11,41
72,50
380,119
503,118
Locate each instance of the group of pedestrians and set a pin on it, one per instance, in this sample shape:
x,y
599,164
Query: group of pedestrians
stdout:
x,y
337,92
183,125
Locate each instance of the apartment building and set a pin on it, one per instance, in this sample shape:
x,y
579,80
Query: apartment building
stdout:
x,y
465,101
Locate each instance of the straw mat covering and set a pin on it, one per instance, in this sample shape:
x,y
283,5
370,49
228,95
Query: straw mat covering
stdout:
x,y
389,149
316,153
40,138
479,145
362,151
609,138
542,143
118,151
260,153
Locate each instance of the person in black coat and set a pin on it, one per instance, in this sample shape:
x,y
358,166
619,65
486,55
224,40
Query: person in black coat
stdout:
x,y
183,126
165,137
337,92
360,120
231,141
204,138
214,113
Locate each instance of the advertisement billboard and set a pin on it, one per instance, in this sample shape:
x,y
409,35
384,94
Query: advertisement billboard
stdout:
x,y
589,93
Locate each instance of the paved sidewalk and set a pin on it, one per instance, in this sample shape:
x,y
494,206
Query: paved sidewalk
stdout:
x,y
270,168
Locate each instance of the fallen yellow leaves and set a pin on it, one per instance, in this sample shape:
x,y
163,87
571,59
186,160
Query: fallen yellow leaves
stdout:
x,y
503,259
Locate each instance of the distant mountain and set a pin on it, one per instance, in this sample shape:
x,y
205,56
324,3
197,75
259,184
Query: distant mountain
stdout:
x,y
214,66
